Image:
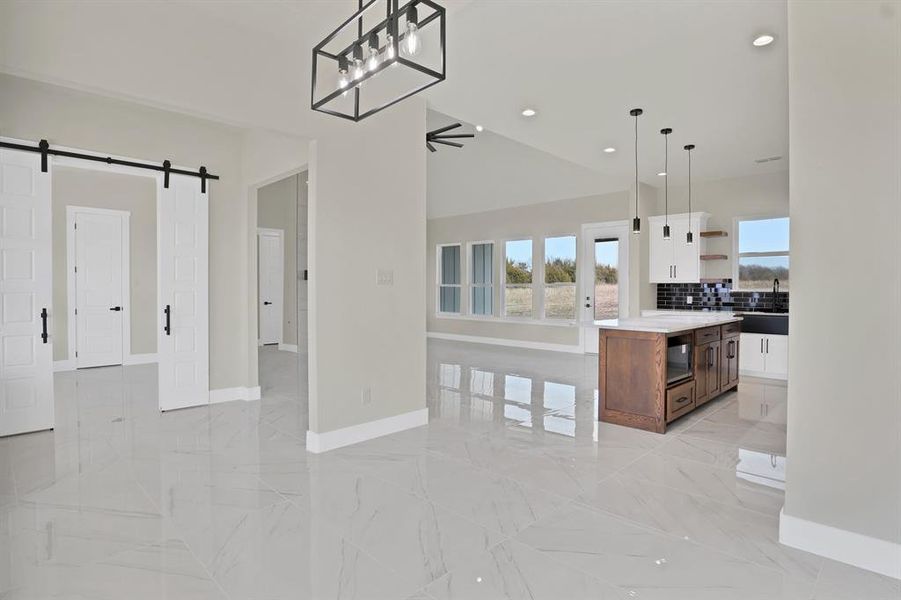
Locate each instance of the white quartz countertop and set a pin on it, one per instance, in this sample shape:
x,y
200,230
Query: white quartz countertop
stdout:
x,y
675,323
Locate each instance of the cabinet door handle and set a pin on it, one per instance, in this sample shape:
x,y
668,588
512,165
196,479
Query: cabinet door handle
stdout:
x,y
768,345
761,345
168,327
682,399
710,360
674,271
44,334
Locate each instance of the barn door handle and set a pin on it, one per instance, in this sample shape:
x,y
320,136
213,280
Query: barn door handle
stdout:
x,y
44,334
168,327
116,308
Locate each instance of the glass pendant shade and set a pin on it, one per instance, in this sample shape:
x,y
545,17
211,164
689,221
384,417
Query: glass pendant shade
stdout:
x,y
689,238
666,233
636,225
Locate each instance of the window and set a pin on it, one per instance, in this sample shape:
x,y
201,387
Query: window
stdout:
x,y
518,282
762,253
482,279
449,279
560,277
606,278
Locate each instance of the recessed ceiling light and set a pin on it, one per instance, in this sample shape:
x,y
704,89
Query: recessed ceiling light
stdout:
x,y
764,39
528,112
609,149
661,173
479,128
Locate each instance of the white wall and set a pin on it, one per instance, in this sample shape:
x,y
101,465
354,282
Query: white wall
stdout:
x,y
31,110
135,195
844,393
492,172
367,212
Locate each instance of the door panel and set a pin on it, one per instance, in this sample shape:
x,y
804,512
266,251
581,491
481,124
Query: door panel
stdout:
x,y
685,256
776,349
26,359
271,286
661,255
702,379
603,270
100,266
183,233
752,356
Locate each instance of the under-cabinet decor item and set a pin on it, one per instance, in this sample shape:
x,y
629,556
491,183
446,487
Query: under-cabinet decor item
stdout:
x,y
383,53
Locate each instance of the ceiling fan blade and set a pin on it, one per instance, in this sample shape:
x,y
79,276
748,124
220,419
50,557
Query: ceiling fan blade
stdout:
x,y
454,144
443,129
431,147
448,137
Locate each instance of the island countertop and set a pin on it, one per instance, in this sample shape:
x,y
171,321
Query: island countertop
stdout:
x,y
676,323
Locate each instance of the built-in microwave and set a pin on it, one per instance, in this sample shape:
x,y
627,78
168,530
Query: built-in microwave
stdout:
x,y
678,358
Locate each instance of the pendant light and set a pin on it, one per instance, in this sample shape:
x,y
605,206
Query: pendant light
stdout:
x,y
689,237
666,131
636,222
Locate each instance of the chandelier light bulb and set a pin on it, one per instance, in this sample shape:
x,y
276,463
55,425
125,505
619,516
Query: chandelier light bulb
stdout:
x,y
343,79
410,45
389,50
358,70
373,61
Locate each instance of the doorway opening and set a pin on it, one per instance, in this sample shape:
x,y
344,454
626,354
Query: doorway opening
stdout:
x,y
604,275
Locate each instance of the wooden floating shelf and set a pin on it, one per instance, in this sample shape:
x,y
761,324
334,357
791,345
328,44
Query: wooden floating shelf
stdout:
x,y
714,234
714,257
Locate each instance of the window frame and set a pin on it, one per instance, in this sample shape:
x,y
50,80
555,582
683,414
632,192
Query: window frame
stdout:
x,y
533,317
736,224
439,272
471,285
544,283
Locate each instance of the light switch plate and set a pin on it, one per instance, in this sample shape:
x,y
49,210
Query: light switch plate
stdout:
x,y
384,277
688,299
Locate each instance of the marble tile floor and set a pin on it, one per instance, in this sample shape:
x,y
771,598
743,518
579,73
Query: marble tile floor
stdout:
x,y
512,491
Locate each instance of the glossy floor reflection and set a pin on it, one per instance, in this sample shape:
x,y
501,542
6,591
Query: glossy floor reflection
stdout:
x,y
512,491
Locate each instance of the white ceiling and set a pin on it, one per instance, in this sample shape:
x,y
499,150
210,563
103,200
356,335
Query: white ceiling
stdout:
x,y
581,64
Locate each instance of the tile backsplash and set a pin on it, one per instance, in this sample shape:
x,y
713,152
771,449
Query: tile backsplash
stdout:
x,y
717,294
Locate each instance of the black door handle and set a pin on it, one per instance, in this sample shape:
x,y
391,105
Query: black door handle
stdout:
x,y
266,303
44,334
116,308
168,327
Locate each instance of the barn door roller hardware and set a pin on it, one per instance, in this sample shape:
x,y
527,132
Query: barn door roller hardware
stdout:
x,y
166,168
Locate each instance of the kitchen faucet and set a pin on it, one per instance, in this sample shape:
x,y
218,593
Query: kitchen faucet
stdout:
x,y
776,294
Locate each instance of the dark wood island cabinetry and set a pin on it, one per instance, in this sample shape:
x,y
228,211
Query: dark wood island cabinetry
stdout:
x,y
653,370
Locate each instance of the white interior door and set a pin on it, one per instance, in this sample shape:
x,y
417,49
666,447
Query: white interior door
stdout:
x,y
99,287
183,346
26,356
272,284
603,271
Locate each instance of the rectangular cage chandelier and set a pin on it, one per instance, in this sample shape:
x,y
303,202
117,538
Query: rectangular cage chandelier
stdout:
x,y
382,54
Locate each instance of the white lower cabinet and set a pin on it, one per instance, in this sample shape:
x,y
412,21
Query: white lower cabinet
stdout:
x,y
764,355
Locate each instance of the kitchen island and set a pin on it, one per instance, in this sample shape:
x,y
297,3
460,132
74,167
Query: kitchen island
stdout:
x,y
654,369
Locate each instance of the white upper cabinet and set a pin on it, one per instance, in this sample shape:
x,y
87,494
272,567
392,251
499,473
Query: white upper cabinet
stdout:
x,y
673,260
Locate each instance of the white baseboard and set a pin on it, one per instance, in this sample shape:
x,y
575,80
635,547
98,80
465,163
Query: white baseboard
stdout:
x,y
63,365
329,440
141,359
287,347
235,393
477,339
872,554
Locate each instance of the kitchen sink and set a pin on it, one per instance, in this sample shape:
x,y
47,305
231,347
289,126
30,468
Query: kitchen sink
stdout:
x,y
766,323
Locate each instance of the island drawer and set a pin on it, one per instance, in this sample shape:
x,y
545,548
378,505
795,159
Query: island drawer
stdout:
x,y
707,335
680,400
731,329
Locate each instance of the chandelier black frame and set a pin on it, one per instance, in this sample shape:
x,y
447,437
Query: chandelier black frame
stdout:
x,y
388,26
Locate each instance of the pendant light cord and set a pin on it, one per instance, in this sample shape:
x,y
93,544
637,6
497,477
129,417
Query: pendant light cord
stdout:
x,y
689,190
666,178
636,165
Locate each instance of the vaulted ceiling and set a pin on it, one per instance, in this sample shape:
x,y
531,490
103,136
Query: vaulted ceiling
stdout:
x,y
581,65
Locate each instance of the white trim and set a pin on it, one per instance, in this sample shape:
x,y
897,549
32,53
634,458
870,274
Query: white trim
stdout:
x,y
63,365
72,212
509,320
872,554
477,339
235,393
287,347
141,359
329,440
622,232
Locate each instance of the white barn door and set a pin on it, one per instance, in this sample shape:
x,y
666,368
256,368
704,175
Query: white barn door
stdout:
x,y
183,233
26,348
